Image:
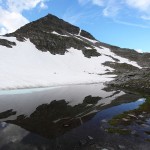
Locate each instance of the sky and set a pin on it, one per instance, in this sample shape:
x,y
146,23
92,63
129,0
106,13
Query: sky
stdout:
x,y
124,23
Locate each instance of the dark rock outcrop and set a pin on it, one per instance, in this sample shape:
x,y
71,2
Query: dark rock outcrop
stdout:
x,y
7,43
120,68
135,81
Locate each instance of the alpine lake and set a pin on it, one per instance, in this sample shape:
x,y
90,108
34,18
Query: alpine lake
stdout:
x,y
74,117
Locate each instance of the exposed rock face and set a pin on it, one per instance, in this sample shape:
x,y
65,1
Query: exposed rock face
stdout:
x,y
7,43
51,23
136,80
121,67
90,53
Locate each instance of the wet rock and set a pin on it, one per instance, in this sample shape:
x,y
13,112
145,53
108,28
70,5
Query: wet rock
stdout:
x,y
83,142
124,119
66,125
141,116
145,125
147,132
139,122
97,146
104,121
90,138
133,132
121,146
133,116
3,124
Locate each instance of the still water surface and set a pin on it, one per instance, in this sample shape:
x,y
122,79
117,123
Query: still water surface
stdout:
x,y
63,118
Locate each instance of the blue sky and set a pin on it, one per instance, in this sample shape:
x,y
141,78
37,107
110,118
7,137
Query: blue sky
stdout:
x,y
125,23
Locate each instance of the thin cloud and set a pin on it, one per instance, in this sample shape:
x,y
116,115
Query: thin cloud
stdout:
x,y
142,5
83,17
112,9
144,17
21,5
72,17
95,2
10,21
119,10
131,24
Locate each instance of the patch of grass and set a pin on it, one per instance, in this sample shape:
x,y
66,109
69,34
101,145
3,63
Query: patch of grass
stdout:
x,y
118,120
146,106
119,131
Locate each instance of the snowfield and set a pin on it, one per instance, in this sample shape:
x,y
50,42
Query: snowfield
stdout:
x,y
24,66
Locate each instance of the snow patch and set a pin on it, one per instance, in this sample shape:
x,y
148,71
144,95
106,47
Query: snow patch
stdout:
x,y
139,51
90,40
106,51
88,47
54,32
79,32
24,66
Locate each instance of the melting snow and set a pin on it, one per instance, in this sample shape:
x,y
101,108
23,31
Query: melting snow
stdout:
x,y
107,51
24,66
54,32
88,47
79,32
90,40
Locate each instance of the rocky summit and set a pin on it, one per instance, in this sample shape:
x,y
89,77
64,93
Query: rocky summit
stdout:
x,y
44,32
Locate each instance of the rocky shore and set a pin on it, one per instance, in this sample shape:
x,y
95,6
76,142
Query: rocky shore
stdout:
x,y
138,81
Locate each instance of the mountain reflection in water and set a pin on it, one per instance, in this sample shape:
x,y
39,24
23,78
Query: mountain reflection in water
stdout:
x,y
57,118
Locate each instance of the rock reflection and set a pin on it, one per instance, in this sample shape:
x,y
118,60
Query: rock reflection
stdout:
x,y
41,118
54,119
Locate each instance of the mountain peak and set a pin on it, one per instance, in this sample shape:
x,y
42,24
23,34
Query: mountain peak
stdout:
x,y
50,23
53,34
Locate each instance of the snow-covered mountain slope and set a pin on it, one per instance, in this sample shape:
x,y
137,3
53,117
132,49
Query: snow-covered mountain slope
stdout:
x,y
41,54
